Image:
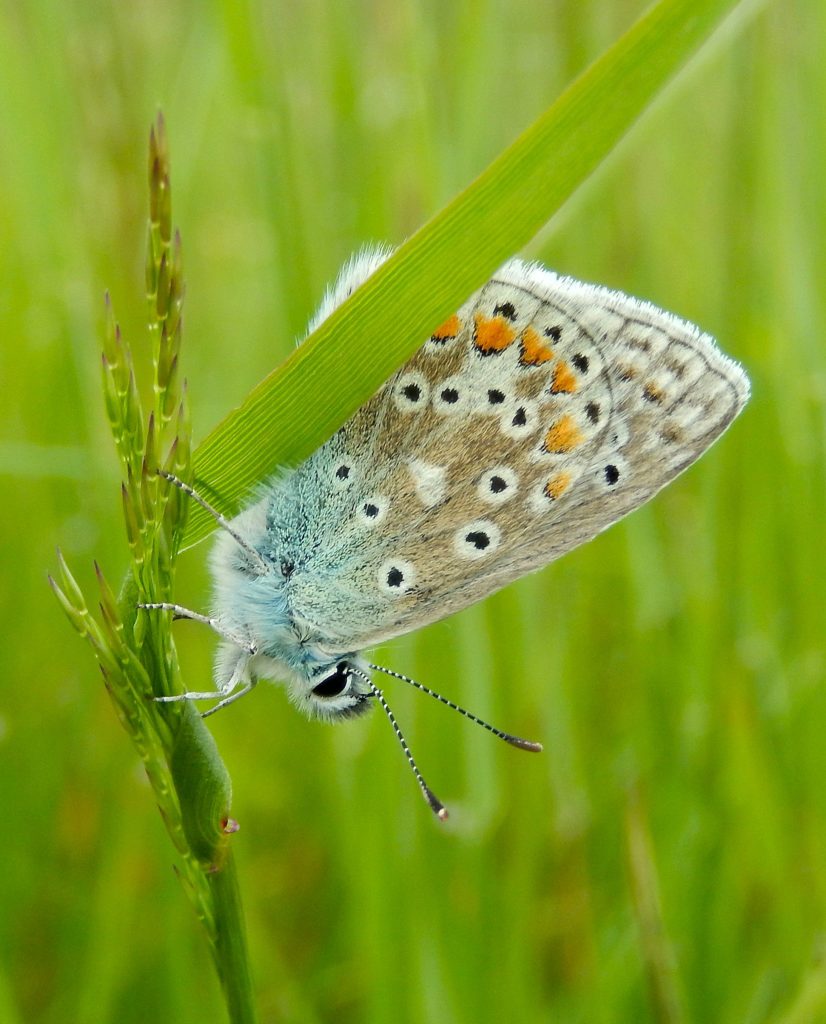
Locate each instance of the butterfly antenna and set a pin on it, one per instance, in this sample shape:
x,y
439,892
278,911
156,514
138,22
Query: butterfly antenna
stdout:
x,y
220,519
515,741
433,801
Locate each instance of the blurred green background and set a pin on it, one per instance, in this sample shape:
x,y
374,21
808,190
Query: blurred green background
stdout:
x,y
665,858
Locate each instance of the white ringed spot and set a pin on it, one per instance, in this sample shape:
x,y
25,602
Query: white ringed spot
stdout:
x,y
611,472
411,392
491,398
497,485
372,510
520,419
451,396
342,473
477,539
396,576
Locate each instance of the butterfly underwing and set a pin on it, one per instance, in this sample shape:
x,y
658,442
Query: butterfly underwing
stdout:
x,y
540,413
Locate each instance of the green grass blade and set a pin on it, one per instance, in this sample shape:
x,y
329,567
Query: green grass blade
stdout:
x,y
300,404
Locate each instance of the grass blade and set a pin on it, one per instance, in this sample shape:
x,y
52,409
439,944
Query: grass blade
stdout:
x,y
301,403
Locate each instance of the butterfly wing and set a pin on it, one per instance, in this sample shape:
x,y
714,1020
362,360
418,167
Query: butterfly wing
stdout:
x,y
541,413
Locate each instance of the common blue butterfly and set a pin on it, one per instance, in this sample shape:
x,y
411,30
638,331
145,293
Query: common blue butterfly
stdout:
x,y
538,415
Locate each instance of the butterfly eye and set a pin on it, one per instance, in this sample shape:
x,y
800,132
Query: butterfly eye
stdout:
x,y
333,685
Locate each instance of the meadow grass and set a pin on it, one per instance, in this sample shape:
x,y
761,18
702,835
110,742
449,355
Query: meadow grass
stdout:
x,y
663,860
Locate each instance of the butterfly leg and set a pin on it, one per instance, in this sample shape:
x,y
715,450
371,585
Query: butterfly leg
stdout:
x,y
179,612
249,684
241,650
237,684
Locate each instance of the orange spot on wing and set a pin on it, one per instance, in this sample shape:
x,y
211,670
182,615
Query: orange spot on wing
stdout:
x,y
493,334
557,485
563,436
534,350
448,330
563,381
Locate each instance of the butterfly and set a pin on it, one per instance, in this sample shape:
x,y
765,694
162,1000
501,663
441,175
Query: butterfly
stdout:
x,y
540,413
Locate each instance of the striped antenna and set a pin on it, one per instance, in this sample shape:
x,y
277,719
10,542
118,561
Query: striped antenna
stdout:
x,y
515,741
220,519
433,801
